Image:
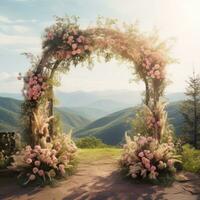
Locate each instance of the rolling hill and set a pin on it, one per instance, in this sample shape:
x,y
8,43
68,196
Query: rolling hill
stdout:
x,y
111,128
10,115
97,104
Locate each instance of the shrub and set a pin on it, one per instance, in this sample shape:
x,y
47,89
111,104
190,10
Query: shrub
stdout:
x,y
191,159
90,142
146,158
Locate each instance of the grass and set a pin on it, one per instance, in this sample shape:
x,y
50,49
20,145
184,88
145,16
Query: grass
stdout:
x,y
89,155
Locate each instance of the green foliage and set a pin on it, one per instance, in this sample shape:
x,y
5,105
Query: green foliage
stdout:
x,y
90,142
191,159
190,110
4,161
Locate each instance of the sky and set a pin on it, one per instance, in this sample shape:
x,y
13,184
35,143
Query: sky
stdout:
x,y
22,23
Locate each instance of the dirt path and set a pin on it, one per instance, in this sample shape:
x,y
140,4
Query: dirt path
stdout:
x,y
100,180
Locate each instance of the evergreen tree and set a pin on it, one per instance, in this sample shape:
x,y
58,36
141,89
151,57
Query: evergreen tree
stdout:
x,y
190,109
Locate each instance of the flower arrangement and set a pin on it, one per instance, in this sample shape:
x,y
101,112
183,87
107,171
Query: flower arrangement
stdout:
x,y
153,64
145,158
67,40
45,164
34,85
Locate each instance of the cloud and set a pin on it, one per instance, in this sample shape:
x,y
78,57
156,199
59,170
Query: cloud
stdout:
x,y
6,20
19,40
9,82
21,29
5,76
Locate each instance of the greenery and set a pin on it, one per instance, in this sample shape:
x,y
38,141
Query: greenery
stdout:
x,y
4,161
90,142
191,159
190,109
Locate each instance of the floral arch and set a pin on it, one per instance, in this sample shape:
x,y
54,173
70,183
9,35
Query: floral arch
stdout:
x,y
65,44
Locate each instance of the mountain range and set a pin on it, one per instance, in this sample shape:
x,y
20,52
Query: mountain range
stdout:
x,y
104,119
97,104
111,129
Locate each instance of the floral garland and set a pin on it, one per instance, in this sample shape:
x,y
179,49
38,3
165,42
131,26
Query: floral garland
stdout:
x,y
68,41
35,85
153,64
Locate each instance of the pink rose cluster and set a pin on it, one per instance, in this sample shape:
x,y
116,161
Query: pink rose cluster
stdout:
x,y
152,122
72,42
144,158
153,65
42,163
35,85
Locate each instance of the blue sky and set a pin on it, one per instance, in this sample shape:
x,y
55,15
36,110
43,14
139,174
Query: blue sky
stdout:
x,y
22,23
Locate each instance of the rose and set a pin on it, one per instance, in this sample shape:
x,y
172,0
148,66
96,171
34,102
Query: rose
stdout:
x,y
74,46
35,170
37,147
153,168
53,151
28,148
37,163
41,172
32,177
170,163
62,168
29,161
141,154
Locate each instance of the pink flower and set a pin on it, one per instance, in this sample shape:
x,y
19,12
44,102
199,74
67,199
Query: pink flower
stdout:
x,y
141,154
145,160
74,46
73,53
86,47
149,156
32,177
37,147
33,155
41,172
78,51
29,161
157,66
153,168
37,163
79,40
170,163
28,148
35,170
62,168
53,151
147,165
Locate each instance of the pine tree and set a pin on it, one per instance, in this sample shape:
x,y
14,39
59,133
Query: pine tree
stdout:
x,y
190,109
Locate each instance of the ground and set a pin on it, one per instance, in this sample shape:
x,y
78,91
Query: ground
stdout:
x,y
98,178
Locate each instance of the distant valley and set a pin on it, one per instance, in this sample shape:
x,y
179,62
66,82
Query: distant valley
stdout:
x,y
102,114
